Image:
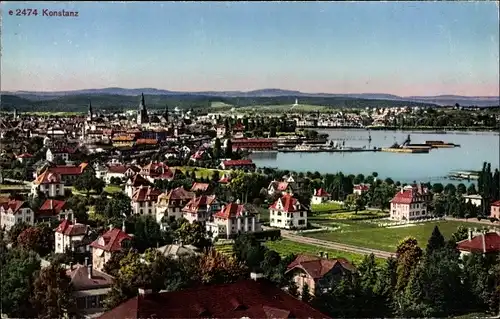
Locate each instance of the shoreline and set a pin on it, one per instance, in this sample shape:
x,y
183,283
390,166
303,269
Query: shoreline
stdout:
x,y
429,130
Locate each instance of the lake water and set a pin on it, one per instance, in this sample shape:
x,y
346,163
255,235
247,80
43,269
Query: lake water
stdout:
x,y
476,148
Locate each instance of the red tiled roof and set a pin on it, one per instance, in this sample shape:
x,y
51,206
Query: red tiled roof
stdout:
x,y
68,170
69,150
67,228
14,205
47,177
362,187
80,280
282,186
199,187
246,298
317,267
24,155
179,193
117,169
198,203
51,207
405,197
497,203
321,193
147,141
111,240
246,162
138,180
157,170
231,210
289,204
146,194
224,179
491,243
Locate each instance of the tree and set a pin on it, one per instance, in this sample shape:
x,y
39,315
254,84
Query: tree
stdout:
x,y
17,282
192,234
38,238
217,148
471,190
461,189
436,241
437,188
58,160
216,268
52,293
248,250
306,293
87,181
15,231
408,255
229,149
146,232
112,266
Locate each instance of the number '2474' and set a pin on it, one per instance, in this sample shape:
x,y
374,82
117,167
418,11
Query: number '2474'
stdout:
x,y
26,12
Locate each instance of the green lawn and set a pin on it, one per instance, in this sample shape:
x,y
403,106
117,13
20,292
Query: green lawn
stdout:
x,y
226,249
370,235
200,171
326,207
113,189
325,218
285,247
14,186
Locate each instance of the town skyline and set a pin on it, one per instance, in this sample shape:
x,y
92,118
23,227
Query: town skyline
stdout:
x,y
405,49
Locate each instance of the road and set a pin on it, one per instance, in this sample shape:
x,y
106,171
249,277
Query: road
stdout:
x,y
335,246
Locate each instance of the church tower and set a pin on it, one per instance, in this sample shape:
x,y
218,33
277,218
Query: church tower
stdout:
x,y
166,113
142,113
90,116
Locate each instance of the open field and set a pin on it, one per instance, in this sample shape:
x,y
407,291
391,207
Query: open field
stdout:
x,y
7,187
200,172
370,235
285,247
326,207
113,189
283,108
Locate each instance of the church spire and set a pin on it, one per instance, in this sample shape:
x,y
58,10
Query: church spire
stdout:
x,y
91,111
166,112
142,106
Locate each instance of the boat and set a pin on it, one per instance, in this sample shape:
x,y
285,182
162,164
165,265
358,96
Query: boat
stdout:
x,y
441,144
406,150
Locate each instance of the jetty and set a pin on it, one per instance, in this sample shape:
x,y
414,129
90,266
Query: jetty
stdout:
x,y
464,175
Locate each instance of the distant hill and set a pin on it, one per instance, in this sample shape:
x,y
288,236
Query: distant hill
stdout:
x,y
115,99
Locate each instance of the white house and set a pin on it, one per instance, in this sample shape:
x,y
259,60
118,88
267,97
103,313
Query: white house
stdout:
x,y
233,219
287,212
52,153
360,189
200,208
144,200
70,236
320,196
48,183
15,212
135,182
476,200
408,204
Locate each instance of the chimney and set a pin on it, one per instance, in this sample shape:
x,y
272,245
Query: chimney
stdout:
x,y
402,190
320,254
470,234
51,204
89,270
74,221
256,275
325,255
123,227
144,291
86,261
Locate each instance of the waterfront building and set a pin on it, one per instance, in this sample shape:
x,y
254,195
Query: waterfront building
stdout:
x,y
410,203
320,196
495,210
287,212
475,199
245,164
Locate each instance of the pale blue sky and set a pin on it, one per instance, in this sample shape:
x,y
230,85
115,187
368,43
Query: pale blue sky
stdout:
x,y
412,48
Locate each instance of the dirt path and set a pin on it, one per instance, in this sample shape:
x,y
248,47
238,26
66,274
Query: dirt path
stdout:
x,y
336,246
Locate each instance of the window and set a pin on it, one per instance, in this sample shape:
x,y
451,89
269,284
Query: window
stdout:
x,y
302,222
140,212
92,302
28,219
80,303
301,214
149,211
279,213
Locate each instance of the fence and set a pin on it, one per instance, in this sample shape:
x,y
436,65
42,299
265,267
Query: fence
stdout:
x,y
415,221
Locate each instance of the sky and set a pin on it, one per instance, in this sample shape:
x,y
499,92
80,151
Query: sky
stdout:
x,y
402,48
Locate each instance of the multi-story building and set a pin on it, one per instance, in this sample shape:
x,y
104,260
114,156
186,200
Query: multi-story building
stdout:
x,y
53,209
70,236
135,182
245,164
233,219
287,212
69,173
120,171
200,208
319,273
320,196
157,171
144,200
495,210
49,184
90,287
113,240
15,212
170,204
480,242
410,203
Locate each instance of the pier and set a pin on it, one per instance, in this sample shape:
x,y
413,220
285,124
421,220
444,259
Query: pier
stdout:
x,y
328,150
